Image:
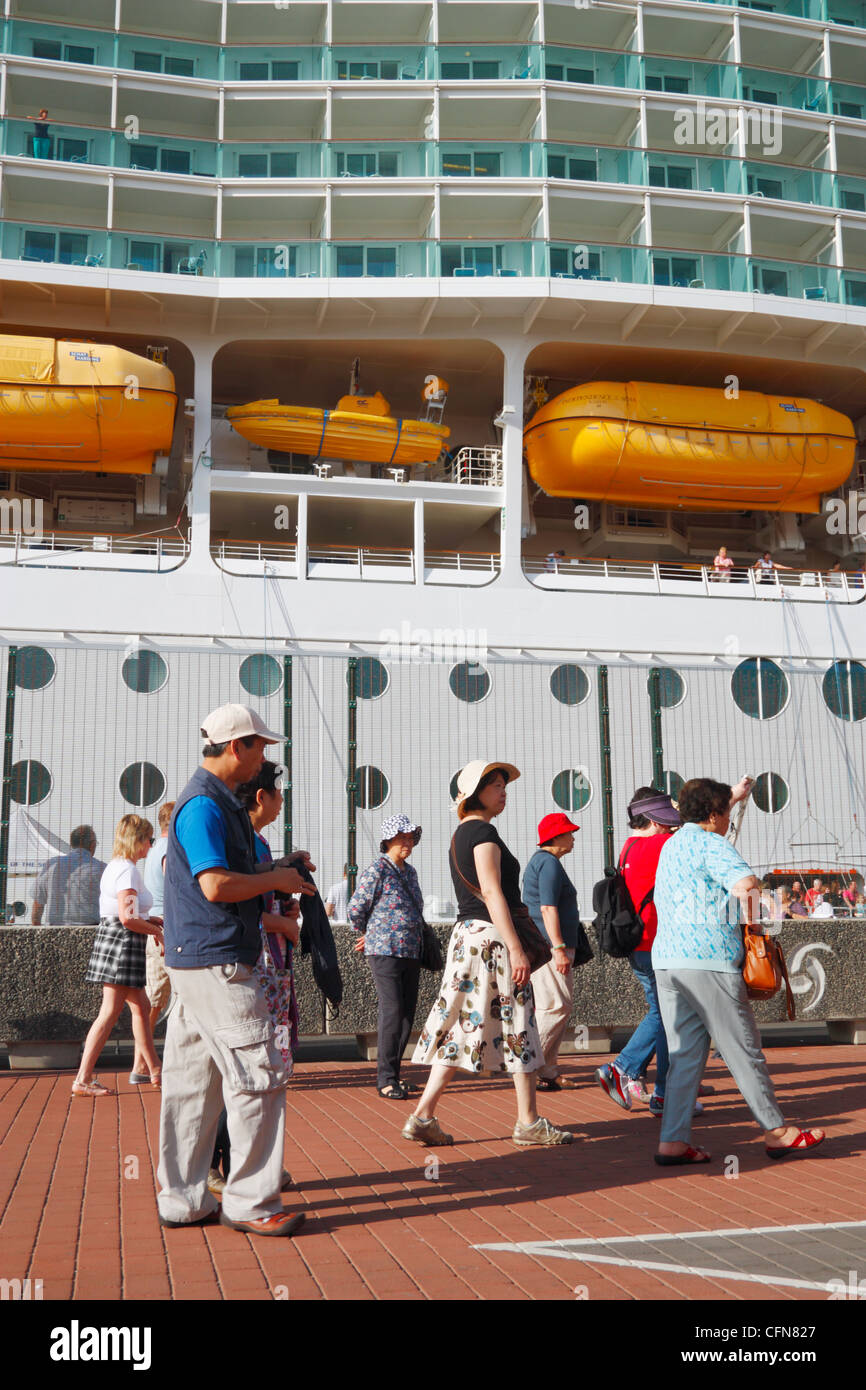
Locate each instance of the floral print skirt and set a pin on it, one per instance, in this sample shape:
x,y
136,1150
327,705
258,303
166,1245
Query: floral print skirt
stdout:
x,y
278,988
480,1022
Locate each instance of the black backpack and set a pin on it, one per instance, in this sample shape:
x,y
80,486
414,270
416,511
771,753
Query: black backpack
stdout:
x,y
617,920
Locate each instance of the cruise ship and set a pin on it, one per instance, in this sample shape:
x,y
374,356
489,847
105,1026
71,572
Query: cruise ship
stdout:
x,y
328,328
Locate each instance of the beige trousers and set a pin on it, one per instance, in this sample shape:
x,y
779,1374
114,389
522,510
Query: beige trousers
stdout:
x,y
220,1049
553,998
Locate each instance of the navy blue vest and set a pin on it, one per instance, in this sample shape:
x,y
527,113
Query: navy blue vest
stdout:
x,y
199,933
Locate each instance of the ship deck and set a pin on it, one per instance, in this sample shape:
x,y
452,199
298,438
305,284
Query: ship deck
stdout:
x,y
480,1221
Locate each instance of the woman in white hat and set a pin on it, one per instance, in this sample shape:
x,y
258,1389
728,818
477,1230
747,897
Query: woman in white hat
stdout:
x,y
485,1016
387,910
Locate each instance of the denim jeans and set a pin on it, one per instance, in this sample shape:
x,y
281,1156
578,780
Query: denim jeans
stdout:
x,y
649,1036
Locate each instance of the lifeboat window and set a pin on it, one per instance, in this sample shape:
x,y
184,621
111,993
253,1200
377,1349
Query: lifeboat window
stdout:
x,y
29,782
260,674
759,688
142,784
34,668
372,678
770,792
371,788
844,690
569,685
673,784
145,672
572,789
671,687
469,681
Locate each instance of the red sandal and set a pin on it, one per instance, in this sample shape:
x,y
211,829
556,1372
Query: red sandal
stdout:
x,y
806,1139
688,1156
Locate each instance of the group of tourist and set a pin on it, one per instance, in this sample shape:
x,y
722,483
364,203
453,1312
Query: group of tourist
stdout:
x,y
220,919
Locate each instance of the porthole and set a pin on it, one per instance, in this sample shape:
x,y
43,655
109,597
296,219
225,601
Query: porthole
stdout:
x,y
671,687
844,690
371,678
142,784
569,685
759,688
469,681
770,792
673,784
260,675
34,668
145,672
371,787
572,789
29,782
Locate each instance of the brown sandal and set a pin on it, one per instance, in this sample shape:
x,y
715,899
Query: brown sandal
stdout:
x,y
89,1088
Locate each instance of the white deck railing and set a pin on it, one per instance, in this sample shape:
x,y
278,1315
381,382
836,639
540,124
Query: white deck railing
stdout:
x,y
687,580
84,550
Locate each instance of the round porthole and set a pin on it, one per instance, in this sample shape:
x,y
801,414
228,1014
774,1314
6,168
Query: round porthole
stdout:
x,y
759,688
569,685
469,681
34,668
844,690
145,672
371,678
371,787
142,784
260,675
29,782
672,687
572,789
770,792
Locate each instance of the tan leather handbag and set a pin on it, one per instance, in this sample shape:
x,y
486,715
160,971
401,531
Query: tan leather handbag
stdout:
x,y
764,967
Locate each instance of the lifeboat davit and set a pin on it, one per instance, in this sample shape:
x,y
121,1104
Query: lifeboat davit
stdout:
x,y
361,429
688,447
82,407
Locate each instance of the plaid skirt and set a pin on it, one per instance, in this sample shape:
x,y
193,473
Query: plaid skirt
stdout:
x,y
118,956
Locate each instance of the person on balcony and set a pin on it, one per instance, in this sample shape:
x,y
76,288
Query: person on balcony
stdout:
x,y
41,138
722,566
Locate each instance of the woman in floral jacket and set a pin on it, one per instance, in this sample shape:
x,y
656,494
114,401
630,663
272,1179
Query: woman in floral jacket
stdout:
x,y
387,910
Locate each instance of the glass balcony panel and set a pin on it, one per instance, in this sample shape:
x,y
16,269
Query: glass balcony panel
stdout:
x,y
488,63
397,63
852,194
67,144
682,78
53,245
165,155
378,260
589,68
272,261
277,64
162,255
851,13
400,159
591,164
579,261
505,159
169,57
813,186
57,43
795,280
855,288
479,260
803,93
848,100
259,160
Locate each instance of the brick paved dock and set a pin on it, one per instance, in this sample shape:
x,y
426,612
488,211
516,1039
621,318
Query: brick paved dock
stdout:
x,y
77,1196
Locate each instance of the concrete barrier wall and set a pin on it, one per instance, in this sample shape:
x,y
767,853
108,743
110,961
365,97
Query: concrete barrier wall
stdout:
x,y
44,1000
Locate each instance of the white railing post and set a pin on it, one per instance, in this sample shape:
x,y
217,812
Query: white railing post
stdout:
x,y
705,576
360,562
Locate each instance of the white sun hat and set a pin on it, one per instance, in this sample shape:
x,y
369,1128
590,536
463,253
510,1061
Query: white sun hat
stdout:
x,y
469,777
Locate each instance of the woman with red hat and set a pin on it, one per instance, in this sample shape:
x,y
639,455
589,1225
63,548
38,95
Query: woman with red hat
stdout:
x,y
551,898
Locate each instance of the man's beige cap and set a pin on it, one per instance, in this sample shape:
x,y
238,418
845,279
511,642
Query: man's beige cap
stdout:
x,y
236,721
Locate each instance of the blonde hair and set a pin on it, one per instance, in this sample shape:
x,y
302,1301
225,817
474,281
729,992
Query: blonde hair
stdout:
x,y
164,815
130,832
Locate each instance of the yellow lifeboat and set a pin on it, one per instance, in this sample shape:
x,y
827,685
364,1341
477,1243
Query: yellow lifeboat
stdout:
x,y
688,447
82,407
361,429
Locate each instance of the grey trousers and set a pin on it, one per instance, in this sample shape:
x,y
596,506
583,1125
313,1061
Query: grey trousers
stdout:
x,y
553,998
220,1049
695,1006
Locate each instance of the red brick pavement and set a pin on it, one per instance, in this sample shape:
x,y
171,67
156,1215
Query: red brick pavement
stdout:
x,y
78,1203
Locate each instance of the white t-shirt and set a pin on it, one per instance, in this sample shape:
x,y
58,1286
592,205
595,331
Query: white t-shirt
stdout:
x,y
120,874
339,896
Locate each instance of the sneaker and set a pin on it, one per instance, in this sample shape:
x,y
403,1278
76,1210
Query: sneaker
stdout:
x,y
282,1224
638,1091
427,1132
614,1084
657,1105
216,1182
542,1132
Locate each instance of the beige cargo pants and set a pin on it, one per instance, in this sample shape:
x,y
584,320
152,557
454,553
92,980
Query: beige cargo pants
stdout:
x,y
220,1049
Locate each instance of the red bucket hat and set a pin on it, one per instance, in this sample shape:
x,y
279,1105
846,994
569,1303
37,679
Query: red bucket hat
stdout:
x,y
551,826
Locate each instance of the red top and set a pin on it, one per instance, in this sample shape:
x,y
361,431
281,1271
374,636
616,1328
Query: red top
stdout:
x,y
813,897
640,860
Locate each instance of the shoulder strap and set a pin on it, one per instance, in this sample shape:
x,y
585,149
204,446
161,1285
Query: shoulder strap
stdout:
x,y
473,887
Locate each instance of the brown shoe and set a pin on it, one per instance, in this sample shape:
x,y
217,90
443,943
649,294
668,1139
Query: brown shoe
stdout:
x,y
284,1223
542,1132
427,1132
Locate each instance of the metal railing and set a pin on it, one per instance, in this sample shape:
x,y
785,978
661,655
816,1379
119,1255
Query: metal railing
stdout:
x,y
469,561
662,576
32,550
361,559
477,467
281,551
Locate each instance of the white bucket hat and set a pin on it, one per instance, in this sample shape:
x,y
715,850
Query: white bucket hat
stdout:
x,y
469,777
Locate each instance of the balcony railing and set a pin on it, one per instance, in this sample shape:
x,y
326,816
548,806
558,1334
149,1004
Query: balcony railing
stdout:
x,y
689,580
679,268
395,564
86,550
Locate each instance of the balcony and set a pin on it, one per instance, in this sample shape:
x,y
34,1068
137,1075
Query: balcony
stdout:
x,y
697,173
594,164
169,57
395,565
599,262
64,144
84,550
275,63
586,67
460,62
678,77
794,185
692,580
255,159
380,160
56,43
397,63
491,160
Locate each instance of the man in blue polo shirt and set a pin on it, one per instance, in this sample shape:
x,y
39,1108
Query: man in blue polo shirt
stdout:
x,y
220,1047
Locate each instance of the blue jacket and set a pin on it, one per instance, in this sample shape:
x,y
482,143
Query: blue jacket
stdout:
x,y
197,932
